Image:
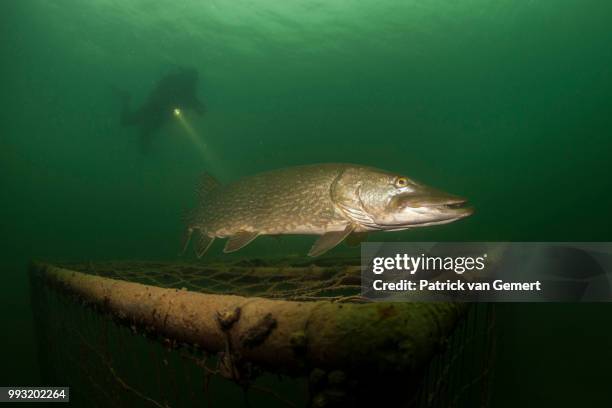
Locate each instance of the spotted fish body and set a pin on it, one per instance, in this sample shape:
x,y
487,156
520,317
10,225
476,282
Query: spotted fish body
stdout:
x,y
333,200
295,200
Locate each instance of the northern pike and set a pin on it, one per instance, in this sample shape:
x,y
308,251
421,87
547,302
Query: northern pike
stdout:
x,y
332,200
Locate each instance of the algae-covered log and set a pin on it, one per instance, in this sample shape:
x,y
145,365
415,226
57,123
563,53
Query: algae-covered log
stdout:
x,y
280,335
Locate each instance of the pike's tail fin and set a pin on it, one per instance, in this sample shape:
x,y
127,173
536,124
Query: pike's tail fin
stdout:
x,y
208,184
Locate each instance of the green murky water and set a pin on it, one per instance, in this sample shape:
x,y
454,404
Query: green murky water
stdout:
x,y
506,103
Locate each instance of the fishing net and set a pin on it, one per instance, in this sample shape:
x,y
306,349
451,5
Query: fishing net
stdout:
x,y
288,332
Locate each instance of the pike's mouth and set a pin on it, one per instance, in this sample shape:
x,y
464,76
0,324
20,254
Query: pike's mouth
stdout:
x,y
455,205
459,207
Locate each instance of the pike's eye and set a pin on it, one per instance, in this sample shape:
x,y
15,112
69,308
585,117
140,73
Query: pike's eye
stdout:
x,y
401,182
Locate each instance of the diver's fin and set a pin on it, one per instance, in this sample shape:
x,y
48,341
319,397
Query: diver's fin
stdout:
x,y
204,242
127,116
356,238
329,240
207,184
121,94
241,239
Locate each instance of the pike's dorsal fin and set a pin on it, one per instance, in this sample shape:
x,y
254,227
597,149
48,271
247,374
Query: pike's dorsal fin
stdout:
x,y
356,238
207,184
329,240
203,243
240,240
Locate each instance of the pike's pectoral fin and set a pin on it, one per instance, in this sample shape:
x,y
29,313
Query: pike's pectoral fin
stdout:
x,y
329,240
356,238
204,242
240,240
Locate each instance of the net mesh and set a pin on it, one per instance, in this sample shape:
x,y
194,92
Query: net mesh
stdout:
x,y
107,363
288,279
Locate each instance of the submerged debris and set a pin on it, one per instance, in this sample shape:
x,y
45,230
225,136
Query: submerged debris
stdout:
x,y
227,318
258,333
